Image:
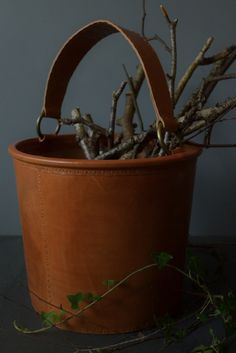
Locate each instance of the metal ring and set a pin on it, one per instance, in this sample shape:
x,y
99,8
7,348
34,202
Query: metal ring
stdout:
x,y
38,127
161,136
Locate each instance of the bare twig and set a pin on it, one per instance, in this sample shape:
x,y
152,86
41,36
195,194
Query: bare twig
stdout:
x,y
87,117
218,69
173,59
130,154
198,128
115,97
172,77
217,57
208,116
222,77
143,18
190,70
126,119
165,14
159,39
122,147
208,86
82,120
208,134
81,135
213,113
133,94
118,150
155,36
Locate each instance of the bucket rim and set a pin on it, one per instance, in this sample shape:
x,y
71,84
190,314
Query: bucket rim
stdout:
x,y
185,152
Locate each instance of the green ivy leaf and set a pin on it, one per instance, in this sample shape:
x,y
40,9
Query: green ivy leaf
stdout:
x,y
109,283
90,297
50,318
75,300
162,259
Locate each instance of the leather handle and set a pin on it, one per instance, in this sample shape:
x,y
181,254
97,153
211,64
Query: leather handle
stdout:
x,y
76,48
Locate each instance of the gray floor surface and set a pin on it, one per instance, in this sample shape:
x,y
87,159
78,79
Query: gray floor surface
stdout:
x,y
15,305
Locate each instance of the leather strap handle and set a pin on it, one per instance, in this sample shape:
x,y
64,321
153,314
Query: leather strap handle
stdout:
x,y
76,48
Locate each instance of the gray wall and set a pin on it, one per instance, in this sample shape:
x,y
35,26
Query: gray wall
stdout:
x,y
31,33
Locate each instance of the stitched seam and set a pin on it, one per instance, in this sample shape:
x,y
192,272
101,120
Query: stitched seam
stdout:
x,y
102,172
81,172
45,249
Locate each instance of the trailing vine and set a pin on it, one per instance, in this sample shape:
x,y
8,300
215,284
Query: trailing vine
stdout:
x,y
213,306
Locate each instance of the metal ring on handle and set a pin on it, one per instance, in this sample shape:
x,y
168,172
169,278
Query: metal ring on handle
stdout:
x,y
38,127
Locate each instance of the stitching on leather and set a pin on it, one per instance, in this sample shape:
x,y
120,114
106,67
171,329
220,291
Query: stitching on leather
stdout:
x,y
44,241
84,172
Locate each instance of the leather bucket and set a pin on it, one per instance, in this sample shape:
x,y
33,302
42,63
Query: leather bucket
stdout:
x,y
88,221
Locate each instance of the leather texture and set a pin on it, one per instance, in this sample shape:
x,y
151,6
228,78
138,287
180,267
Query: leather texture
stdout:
x,y
87,221
76,48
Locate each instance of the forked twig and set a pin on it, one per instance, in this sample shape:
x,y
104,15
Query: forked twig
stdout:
x,y
159,39
208,85
219,56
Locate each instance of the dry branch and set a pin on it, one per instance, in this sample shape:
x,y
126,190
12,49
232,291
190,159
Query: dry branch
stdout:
x,y
219,56
133,94
82,120
172,77
222,77
99,143
219,69
208,84
208,116
192,67
115,97
81,136
143,18
127,118
124,147
155,36
165,14
159,39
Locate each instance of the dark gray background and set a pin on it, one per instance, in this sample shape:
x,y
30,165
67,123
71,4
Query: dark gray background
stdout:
x,y
31,33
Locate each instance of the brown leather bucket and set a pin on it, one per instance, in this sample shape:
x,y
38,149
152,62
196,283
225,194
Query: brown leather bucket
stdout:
x,y
85,222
